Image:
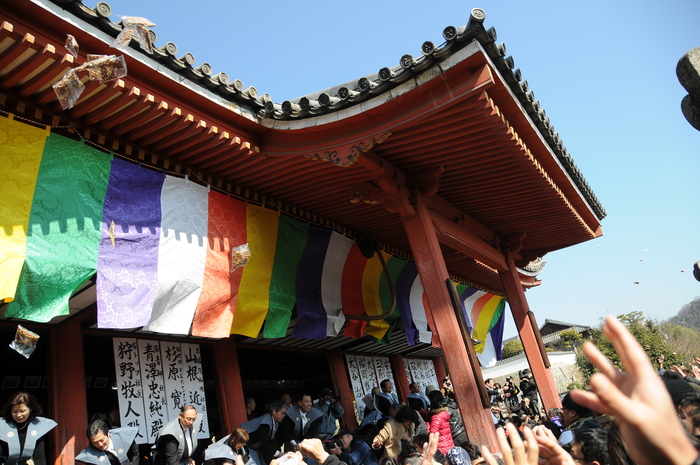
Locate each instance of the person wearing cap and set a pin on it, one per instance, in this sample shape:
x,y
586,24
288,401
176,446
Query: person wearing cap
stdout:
x,y
576,419
301,422
353,452
331,410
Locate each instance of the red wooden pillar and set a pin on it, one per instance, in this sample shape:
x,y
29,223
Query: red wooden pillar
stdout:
x,y
228,375
440,372
530,338
68,399
433,273
402,389
342,388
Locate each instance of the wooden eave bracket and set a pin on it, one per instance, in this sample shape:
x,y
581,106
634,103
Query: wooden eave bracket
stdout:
x,y
468,243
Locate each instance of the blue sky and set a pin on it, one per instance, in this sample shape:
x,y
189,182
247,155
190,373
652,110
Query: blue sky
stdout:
x,y
603,71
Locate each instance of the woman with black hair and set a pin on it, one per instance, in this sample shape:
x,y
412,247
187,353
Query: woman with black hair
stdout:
x,y
23,431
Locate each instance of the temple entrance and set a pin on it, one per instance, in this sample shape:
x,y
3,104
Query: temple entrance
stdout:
x,y
267,374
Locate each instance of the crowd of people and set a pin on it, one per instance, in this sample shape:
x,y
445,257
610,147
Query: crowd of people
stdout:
x,y
636,417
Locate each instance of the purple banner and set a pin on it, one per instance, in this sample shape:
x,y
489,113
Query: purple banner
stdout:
x,y
128,258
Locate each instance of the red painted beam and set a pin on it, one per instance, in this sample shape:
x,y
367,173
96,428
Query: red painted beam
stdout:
x,y
463,240
530,337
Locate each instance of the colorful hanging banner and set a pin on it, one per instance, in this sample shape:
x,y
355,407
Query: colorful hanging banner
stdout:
x,y
64,229
485,322
161,249
127,267
22,148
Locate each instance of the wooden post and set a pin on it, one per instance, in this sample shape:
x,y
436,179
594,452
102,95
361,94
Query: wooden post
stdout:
x,y
433,273
402,389
342,388
228,375
529,336
67,383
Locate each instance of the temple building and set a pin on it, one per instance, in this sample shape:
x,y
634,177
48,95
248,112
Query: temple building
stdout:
x,y
173,236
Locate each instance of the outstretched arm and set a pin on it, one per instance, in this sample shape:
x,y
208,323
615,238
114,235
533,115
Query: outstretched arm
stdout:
x,y
638,399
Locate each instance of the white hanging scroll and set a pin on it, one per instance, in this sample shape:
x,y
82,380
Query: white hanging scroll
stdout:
x,y
194,384
129,386
153,387
171,354
154,381
421,371
356,383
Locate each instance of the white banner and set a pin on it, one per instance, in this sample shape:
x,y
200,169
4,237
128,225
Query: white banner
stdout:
x,y
154,380
153,387
129,387
421,371
194,384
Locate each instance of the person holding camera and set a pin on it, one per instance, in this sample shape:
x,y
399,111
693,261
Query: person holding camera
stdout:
x,y
529,389
332,411
352,451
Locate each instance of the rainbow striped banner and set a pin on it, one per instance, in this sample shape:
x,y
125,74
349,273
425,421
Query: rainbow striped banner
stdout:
x,y
160,247
485,322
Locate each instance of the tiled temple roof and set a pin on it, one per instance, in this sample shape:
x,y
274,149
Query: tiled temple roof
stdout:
x,y
362,89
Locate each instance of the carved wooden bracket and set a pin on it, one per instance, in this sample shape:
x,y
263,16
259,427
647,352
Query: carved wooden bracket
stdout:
x,y
513,245
348,153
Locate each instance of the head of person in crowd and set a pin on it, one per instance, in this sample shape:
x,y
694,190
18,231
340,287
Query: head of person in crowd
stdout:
x,y
376,390
571,411
20,407
407,416
187,416
489,382
553,427
325,395
249,405
436,399
345,436
617,449
446,383
305,402
591,447
458,456
393,409
430,388
677,386
286,400
414,387
688,408
98,434
278,410
553,413
386,386
238,438
419,440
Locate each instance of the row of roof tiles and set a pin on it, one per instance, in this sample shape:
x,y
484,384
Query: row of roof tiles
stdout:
x,y
353,92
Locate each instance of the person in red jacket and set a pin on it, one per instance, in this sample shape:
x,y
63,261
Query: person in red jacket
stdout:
x,y
440,422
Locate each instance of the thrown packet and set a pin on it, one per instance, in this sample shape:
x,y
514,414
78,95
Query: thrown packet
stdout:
x,y
72,45
239,256
68,89
25,341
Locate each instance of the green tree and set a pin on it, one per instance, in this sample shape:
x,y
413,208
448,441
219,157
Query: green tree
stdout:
x,y
647,333
512,348
570,338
